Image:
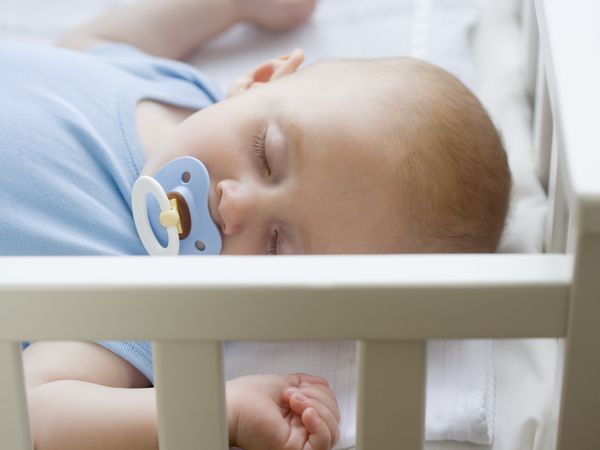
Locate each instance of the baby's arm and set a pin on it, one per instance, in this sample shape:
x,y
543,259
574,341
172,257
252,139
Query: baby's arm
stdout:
x,y
174,28
83,396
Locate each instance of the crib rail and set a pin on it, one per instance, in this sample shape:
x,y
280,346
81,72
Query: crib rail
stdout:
x,y
565,38
261,298
566,141
391,304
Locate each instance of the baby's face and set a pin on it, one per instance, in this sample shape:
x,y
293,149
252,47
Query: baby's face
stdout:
x,y
296,167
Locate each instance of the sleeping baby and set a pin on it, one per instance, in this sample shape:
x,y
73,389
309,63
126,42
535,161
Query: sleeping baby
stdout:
x,y
343,156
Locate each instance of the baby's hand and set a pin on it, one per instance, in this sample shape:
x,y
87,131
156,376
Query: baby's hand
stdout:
x,y
282,412
276,15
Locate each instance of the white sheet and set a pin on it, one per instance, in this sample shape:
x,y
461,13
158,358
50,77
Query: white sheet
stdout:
x,y
355,29
460,381
386,28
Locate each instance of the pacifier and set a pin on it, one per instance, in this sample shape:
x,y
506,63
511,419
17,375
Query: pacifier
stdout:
x,y
170,210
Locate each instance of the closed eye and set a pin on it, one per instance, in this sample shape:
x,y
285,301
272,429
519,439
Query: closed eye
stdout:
x,y
259,149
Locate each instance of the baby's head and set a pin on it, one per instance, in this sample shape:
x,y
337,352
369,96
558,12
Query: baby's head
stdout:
x,y
350,156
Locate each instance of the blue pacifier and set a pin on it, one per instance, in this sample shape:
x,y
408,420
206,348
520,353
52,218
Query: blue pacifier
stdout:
x,y
179,221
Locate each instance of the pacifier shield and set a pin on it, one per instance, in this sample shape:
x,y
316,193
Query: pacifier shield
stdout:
x,y
186,180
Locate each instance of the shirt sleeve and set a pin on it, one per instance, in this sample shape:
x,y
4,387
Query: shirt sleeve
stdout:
x,y
153,68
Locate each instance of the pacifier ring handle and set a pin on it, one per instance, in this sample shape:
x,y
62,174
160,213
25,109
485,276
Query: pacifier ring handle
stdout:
x,y
143,186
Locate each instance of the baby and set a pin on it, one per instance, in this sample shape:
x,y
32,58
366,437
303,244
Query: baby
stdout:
x,y
349,156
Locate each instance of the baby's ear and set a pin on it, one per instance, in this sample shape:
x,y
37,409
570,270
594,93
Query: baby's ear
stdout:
x,y
268,71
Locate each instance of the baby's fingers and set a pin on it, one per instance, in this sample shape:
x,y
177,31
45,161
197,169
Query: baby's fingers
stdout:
x,y
308,379
319,437
322,395
301,403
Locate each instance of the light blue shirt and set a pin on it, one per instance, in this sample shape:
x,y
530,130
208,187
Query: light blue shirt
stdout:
x,y
70,151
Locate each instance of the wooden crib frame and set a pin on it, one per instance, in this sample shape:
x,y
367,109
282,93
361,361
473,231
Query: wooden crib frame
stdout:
x,y
391,304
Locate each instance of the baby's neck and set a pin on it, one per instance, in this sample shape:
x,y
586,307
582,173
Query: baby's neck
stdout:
x,y
155,122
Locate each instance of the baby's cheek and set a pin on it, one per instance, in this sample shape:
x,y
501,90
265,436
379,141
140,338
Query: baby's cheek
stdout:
x,y
239,245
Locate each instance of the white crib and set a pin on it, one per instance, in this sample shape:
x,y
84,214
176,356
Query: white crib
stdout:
x,y
392,304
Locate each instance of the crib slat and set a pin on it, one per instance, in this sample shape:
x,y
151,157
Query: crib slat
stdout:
x,y
15,432
557,221
391,395
542,126
190,395
580,408
531,44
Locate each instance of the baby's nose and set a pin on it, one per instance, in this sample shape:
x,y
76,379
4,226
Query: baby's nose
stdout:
x,y
236,204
